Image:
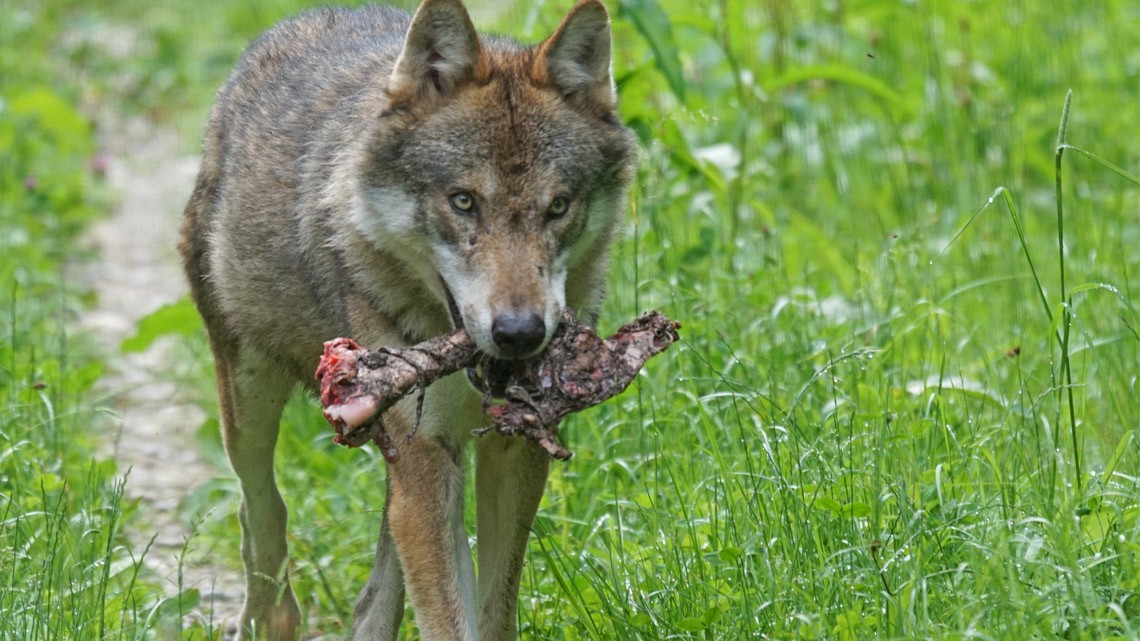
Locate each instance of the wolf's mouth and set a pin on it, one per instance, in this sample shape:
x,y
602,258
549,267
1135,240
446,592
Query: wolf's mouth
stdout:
x,y
491,376
452,307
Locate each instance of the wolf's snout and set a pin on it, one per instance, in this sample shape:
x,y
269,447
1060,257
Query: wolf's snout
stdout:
x,y
518,334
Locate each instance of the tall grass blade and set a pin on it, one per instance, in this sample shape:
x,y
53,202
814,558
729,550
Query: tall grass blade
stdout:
x,y
1123,173
654,25
1011,206
1066,323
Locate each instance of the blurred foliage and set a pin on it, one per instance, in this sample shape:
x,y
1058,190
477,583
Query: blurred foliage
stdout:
x,y
866,432
68,572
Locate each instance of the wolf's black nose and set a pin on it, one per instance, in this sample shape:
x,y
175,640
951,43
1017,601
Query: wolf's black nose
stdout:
x,y
518,334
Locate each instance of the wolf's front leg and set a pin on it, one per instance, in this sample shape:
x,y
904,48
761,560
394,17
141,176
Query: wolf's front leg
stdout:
x,y
425,514
252,392
380,606
510,477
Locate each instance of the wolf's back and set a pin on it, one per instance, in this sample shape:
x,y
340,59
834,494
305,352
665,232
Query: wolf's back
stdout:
x,y
254,237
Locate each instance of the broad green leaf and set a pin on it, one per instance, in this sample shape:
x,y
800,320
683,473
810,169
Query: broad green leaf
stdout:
x,y
730,553
841,75
712,615
178,318
691,624
831,505
54,116
653,24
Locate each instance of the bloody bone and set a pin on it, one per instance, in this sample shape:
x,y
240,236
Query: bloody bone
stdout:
x,y
577,370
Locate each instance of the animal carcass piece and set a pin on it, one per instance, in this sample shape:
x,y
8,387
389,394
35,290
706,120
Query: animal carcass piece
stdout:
x,y
577,370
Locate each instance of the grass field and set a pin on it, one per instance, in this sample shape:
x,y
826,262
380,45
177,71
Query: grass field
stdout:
x,y
906,404
65,572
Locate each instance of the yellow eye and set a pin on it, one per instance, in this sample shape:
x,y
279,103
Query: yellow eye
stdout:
x,y
463,202
558,207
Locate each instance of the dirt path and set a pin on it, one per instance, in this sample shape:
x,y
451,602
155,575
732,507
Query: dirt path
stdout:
x,y
152,176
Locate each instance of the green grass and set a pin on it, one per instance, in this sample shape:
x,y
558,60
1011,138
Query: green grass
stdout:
x,y
873,425
64,570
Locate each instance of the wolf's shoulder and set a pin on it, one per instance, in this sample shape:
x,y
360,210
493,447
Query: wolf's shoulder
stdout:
x,y
329,33
311,60
330,24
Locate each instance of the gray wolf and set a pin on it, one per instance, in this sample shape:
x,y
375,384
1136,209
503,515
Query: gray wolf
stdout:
x,y
389,177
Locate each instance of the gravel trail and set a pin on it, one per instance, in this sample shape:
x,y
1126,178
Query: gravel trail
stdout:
x,y
152,174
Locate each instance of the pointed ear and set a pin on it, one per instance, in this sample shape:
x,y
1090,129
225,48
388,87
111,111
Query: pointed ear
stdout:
x,y
576,59
441,52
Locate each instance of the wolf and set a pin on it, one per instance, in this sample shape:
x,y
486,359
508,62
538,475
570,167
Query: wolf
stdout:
x,y
392,177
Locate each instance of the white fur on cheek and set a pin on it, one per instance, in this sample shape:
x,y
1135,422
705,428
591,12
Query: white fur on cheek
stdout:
x,y
386,218
387,213
472,293
555,298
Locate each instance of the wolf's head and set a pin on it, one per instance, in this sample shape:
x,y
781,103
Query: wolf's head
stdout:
x,y
500,171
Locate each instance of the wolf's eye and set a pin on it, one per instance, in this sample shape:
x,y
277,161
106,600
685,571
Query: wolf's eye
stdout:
x,y
463,202
558,207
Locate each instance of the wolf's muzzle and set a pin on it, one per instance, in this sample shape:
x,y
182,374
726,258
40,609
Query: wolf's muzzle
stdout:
x,y
452,307
518,334
490,377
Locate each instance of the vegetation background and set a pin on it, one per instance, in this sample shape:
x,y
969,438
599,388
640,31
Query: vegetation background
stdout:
x,y
906,405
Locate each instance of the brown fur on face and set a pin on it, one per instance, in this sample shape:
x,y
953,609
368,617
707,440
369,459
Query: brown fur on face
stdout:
x,y
325,206
530,146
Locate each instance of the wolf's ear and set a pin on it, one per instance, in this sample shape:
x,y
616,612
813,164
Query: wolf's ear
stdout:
x,y
576,59
441,52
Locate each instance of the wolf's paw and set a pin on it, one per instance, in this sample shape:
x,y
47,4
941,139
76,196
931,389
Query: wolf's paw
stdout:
x,y
230,630
277,623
